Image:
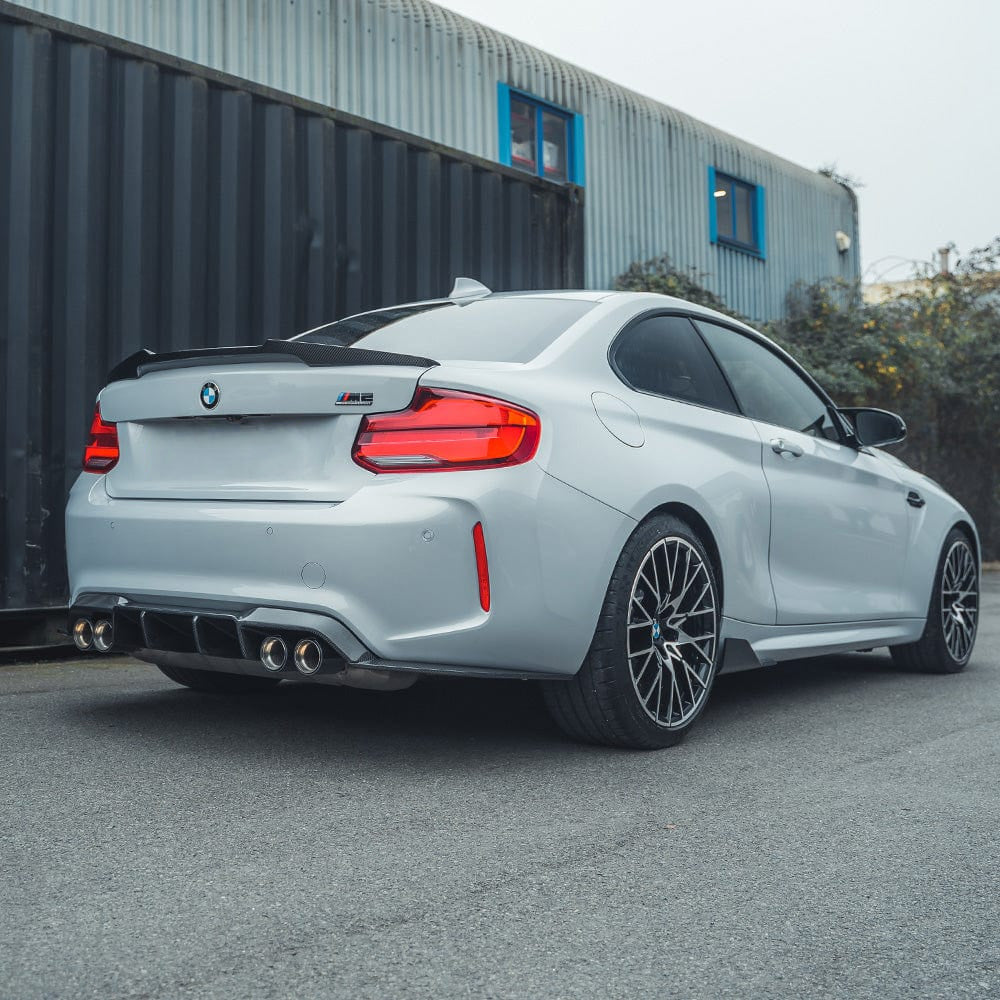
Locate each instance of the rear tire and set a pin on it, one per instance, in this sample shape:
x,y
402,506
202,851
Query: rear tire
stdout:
x,y
953,616
651,665
215,682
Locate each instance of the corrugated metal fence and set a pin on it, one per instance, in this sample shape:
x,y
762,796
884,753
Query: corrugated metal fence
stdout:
x,y
146,202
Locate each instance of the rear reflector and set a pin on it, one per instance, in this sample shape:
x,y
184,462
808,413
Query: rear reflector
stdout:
x,y
445,429
482,566
101,451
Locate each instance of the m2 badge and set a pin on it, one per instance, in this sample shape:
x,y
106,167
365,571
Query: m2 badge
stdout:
x,y
355,399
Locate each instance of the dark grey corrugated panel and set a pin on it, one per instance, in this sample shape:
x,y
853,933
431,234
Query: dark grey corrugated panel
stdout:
x,y
146,203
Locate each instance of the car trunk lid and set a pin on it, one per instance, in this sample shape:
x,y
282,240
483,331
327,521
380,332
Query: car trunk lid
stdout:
x,y
250,429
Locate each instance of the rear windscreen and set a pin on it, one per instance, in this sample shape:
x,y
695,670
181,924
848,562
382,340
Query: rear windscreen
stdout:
x,y
494,329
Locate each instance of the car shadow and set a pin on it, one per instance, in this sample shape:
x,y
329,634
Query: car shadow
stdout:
x,y
447,715
447,718
794,678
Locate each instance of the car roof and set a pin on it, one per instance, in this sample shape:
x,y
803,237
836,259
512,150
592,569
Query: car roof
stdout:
x,y
608,296
605,297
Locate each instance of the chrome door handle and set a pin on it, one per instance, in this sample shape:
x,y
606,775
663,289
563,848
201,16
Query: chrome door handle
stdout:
x,y
782,447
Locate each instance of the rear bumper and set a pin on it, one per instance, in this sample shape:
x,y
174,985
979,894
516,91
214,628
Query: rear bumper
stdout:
x,y
394,565
216,636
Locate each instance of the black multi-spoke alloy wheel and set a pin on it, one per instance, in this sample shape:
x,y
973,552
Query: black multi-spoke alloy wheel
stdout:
x,y
216,682
650,667
953,615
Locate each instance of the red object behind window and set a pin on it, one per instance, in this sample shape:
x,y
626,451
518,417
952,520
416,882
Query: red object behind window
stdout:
x,y
101,451
444,429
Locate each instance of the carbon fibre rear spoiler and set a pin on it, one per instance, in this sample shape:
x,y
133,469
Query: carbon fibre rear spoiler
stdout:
x,y
314,355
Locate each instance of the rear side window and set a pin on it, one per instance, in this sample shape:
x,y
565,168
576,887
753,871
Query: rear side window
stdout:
x,y
491,329
664,355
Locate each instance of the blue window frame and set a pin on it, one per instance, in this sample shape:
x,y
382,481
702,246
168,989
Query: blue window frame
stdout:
x,y
736,213
539,137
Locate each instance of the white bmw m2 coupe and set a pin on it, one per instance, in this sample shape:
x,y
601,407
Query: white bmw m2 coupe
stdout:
x,y
616,494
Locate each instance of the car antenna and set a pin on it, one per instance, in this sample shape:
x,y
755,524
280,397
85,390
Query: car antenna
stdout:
x,y
467,289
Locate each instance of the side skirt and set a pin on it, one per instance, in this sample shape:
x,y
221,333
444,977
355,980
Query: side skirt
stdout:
x,y
748,646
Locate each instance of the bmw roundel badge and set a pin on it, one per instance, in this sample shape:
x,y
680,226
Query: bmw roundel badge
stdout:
x,y
210,395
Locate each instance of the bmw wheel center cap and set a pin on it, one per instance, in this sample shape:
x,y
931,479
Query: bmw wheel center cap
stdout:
x,y
210,395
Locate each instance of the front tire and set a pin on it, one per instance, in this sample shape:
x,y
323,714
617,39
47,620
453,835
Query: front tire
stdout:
x,y
953,615
651,665
216,682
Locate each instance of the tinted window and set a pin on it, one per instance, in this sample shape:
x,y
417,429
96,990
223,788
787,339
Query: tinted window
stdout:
x,y
554,146
736,213
723,195
767,388
743,212
491,329
523,143
540,138
665,356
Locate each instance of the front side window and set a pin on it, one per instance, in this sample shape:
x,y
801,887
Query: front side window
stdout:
x,y
736,212
766,387
540,138
664,356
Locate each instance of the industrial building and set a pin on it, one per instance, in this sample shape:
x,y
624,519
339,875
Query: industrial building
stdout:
x,y
656,181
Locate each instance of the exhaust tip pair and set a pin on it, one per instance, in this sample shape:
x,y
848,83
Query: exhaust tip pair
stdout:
x,y
99,635
307,655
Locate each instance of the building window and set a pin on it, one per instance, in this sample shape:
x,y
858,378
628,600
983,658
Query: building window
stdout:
x,y
736,213
540,138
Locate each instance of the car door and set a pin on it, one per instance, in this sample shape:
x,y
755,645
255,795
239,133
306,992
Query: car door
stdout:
x,y
839,516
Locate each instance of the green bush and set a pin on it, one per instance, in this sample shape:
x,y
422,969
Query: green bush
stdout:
x,y
659,275
931,354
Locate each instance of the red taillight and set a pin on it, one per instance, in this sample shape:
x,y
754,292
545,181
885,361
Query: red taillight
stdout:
x,y
101,452
446,429
482,566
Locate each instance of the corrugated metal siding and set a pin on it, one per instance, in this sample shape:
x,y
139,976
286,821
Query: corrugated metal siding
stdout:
x,y
148,205
418,67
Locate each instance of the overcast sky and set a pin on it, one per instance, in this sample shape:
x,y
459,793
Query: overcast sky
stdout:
x,y
902,94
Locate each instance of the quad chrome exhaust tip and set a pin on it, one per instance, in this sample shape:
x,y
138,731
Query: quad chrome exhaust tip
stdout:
x,y
83,633
104,636
273,653
308,656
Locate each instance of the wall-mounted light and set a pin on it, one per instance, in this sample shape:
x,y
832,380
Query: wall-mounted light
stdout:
x,y
843,241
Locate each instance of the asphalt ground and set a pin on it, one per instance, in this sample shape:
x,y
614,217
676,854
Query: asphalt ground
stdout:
x,y
831,829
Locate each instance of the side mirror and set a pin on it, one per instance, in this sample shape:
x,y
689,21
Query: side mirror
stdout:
x,y
875,427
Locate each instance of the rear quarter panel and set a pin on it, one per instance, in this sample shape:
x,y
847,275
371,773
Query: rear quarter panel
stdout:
x,y
704,459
